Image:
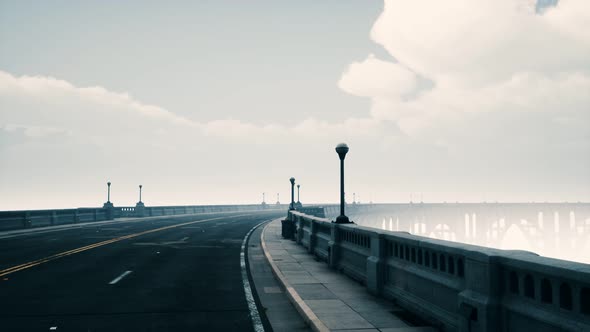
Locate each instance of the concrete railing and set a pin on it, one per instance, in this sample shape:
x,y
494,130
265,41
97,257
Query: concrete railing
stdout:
x,y
10,220
38,218
456,287
149,211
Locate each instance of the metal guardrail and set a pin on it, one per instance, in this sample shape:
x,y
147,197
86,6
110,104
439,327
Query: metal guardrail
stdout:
x,y
458,287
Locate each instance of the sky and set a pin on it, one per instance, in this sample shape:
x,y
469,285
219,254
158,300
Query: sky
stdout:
x,y
216,102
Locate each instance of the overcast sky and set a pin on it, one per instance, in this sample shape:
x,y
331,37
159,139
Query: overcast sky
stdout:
x,y
212,102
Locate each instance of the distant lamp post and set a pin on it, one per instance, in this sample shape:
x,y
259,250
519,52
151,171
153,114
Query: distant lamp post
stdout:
x,y
342,149
292,205
278,201
108,205
140,207
298,200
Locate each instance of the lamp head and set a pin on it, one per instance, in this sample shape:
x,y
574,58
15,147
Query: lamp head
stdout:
x,y
342,149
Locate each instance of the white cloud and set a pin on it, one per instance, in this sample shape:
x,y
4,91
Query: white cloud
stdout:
x,y
97,113
377,78
482,56
475,42
55,92
505,107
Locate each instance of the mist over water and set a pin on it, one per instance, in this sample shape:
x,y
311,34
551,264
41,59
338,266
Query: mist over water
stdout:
x,y
555,230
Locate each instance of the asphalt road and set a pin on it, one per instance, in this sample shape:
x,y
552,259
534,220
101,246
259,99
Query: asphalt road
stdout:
x,y
173,274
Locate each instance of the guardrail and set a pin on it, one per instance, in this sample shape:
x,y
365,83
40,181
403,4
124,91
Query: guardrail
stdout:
x,y
457,287
11,220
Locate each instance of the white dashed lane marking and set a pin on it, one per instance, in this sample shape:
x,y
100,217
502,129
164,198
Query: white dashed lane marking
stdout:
x,y
117,279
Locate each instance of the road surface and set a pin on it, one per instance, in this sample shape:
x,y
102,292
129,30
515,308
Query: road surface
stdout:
x,y
167,274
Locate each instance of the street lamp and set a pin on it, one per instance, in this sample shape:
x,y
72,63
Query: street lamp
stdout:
x,y
139,206
298,201
292,205
108,205
342,149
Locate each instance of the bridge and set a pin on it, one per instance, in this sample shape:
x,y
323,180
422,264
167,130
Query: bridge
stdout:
x,y
265,267
171,267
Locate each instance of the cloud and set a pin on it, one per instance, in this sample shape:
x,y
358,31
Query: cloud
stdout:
x,y
476,96
377,78
482,41
484,56
54,134
99,115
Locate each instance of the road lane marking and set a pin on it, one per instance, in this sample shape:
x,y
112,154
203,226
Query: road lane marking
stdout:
x,y
100,244
256,321
117,279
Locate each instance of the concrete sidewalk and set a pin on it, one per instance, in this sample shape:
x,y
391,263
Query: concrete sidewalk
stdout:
x,y
328,300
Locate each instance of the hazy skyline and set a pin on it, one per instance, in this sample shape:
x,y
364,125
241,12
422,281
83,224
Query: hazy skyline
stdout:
x,y
217,102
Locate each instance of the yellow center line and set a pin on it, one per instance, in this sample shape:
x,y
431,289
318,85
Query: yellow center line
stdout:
x,y
100,244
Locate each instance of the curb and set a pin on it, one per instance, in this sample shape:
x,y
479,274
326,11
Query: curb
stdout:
x,y
304,310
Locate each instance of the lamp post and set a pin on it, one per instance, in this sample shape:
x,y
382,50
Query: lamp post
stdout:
x,y
298,201
108,205
140,207
292,205
342,149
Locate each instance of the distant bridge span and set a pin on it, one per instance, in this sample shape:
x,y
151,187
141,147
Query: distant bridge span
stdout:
x,y
545,225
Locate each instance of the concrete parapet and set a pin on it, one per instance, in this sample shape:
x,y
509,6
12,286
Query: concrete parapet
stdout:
x,y
12,220
455,286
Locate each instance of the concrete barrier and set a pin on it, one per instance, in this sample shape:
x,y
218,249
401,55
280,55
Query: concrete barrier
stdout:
x,y
457,287
10,220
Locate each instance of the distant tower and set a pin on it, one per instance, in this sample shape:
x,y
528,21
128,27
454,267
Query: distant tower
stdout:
x,y
278,201
263,200
353,198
